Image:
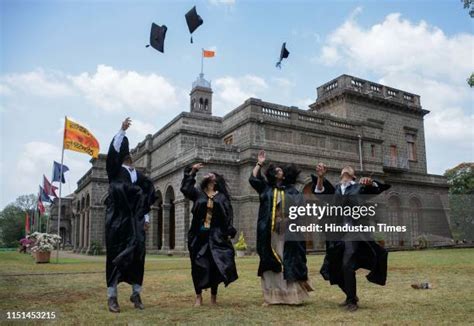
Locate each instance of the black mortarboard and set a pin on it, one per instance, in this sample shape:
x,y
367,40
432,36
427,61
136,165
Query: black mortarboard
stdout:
x,y
157,37
284,53
193,20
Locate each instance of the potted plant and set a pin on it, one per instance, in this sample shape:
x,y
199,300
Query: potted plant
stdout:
x,y
241,246
379,237
44,243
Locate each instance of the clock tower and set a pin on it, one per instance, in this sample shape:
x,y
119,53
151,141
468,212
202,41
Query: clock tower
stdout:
x,y
201,96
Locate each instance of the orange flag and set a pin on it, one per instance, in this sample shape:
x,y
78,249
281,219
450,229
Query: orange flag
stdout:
x,y
208,54
79,139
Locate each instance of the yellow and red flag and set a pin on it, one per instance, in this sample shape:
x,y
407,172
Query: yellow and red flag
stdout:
x,y
208,53
79,139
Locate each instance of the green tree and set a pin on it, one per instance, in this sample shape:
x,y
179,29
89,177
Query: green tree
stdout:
x,y
470,80
12,226
12,220
27,203
461,203
469,4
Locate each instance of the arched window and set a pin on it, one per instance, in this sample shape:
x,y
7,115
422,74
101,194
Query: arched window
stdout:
x,y
415,219
394,215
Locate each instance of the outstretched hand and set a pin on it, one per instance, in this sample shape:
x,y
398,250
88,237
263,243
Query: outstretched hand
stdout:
x,y
321,170
126,123
261,157
366,181
196,167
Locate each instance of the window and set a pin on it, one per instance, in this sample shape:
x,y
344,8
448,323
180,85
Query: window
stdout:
x,y
408,97
391,93
411,146
393,155
372,150
229,140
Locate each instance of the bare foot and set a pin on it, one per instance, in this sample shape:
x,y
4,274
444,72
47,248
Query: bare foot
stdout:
x,y
198,301
213,300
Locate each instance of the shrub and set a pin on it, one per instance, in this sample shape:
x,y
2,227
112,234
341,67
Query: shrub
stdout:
x,y
241,245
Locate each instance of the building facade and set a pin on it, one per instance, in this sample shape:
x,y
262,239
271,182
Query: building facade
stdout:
x,y
376,129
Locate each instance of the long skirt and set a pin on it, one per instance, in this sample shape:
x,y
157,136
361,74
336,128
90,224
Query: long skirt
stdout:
x,y
277,290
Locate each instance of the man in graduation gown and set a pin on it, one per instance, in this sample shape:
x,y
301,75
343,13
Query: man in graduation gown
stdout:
x,y
345,253
128,203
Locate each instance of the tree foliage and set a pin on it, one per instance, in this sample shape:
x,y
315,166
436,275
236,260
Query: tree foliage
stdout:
x,y
461,203
12,220
469,4
12,225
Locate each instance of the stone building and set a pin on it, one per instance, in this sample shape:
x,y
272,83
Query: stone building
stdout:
x,y
375,128
66,227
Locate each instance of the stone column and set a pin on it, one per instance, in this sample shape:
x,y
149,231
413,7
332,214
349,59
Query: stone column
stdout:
x,y
88,233
73,232
81,232
152,234
166,227
180,213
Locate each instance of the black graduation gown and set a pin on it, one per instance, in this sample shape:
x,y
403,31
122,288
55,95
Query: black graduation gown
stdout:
x,y
127,203
369,254
216,244
294,252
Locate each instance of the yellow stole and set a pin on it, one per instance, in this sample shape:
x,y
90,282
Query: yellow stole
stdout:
x,y
277,192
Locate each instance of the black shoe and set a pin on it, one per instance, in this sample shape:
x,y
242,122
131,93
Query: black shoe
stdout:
x,y
113,304
137,301
351,307
347,301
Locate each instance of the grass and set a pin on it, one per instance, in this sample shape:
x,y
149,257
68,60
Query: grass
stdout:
x,y
168,293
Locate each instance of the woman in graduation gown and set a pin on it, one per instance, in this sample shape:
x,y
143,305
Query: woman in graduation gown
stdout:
x,y
128,203
282,268
210,249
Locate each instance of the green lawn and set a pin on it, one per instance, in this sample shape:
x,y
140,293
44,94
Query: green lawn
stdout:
x,y
79,298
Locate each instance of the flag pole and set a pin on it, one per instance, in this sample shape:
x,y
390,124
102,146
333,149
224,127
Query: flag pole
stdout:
x,y
202,61
60,188
35,209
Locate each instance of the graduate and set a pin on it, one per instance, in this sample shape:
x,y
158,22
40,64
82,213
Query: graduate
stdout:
x,y
130,197
347,253
210,249
282,268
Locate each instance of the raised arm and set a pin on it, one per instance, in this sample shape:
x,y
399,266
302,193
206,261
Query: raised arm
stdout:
x,y
117,150
372,187
320,185
189,181
256,180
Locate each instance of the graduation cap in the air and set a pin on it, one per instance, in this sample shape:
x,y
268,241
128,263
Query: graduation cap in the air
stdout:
x,y
284,53
193,20
157,37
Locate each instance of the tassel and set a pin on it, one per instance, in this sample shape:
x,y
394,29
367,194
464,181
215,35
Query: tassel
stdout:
x,y
147,46
191,39
278,65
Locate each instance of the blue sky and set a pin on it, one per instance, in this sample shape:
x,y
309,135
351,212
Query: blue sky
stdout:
x,y
88,60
